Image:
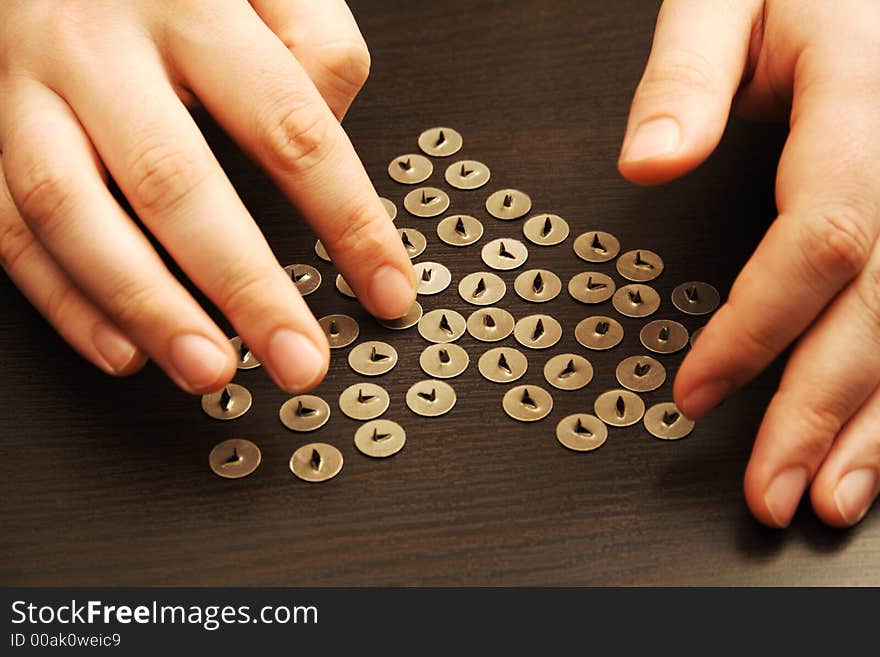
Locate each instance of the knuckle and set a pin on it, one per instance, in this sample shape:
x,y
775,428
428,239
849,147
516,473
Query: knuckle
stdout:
x,y
868,291
62,22
61,305
164,175
361,233
297,139
837,243
758,339
819,421
134,305
681,72
43,195
245,294
69,25
15,241
348,63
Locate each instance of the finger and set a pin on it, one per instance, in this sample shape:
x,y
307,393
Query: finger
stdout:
x,y
681,105
155,152
847,482
325,39
829,220
832,371
54,179
48,288
250,82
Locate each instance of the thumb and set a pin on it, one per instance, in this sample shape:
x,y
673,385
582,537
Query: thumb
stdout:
x,y
680,108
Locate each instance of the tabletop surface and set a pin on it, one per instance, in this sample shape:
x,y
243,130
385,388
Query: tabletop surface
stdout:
x,y
106,482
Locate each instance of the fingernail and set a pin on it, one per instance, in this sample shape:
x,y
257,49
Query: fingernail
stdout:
x,y
855,493
653,138
784,493
295,360
392,292
116,350
197,360
705,398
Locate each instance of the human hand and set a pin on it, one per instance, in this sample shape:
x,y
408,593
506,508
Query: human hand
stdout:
x,y
815,277
97,87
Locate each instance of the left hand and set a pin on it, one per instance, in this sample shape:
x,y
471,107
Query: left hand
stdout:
x,y
816,275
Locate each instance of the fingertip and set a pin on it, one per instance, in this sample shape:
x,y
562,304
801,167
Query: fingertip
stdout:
x,y
753,490
844,502
696,393
117,355
656,151
682,387
135,365
824,504
296,362
649,150
759,512
649,173
773,498
697,402
199,365
392,292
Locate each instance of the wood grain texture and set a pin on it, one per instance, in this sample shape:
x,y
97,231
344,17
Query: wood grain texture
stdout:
x,y
106,481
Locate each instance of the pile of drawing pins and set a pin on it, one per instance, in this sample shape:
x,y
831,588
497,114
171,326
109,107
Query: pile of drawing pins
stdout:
x,y
484,291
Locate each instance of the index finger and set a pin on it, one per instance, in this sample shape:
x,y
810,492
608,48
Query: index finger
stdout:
x,y
255,88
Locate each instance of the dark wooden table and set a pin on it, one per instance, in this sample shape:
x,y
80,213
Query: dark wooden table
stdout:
x,y
106,481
